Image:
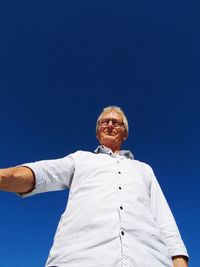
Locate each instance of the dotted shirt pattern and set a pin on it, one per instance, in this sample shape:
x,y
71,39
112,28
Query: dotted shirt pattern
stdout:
x,y
116,215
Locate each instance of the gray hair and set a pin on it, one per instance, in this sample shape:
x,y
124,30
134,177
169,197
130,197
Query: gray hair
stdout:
x,y
116,109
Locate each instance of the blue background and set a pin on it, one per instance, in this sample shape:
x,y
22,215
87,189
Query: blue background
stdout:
x,y
61,62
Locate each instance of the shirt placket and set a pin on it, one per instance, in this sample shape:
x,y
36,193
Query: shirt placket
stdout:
x,y
120,203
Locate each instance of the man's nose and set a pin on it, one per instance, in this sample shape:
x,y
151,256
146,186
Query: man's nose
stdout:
x,y
110,124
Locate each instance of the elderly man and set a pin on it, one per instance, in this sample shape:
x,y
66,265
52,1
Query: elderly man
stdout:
x,y
116,215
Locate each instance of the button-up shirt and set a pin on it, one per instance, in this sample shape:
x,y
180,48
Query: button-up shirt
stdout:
x,y
116,213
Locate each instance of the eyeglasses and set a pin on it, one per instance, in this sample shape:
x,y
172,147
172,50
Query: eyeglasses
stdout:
x,y
115,123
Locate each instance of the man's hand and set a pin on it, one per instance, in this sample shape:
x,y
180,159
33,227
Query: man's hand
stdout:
x,y
180,261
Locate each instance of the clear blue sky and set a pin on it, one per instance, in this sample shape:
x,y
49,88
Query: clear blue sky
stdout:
x,y
61,62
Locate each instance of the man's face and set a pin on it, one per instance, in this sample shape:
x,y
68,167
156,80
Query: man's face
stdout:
x,y
111,131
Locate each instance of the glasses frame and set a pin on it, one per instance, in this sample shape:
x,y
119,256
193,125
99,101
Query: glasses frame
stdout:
x,y
116,123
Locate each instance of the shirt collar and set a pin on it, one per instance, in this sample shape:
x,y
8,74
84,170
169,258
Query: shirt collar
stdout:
x,y
106,150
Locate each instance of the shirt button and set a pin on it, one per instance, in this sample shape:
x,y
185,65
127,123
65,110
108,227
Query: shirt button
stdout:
x,y
120,188
121,207
122,232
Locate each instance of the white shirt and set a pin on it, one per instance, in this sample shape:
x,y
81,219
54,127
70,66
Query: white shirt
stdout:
x,y
116,214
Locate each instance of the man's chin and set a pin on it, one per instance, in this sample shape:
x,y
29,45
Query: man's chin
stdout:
x,y
109,137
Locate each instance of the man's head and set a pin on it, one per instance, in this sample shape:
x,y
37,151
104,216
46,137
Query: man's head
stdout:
x,y
112,127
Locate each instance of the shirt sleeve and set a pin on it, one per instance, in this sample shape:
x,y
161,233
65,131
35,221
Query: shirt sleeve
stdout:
x,y
51,175
165,219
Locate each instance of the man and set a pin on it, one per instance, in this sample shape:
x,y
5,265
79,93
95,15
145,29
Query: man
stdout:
x,y
116,214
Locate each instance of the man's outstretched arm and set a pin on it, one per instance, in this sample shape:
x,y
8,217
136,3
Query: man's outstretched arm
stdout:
x,y
17,179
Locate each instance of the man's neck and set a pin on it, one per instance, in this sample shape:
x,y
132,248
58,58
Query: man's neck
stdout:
x,y
114,149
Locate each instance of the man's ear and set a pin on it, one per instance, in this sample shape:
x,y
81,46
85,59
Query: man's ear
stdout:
x,y
125,136
97,135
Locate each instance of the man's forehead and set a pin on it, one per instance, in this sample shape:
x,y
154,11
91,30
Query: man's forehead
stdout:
x,y
112,115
